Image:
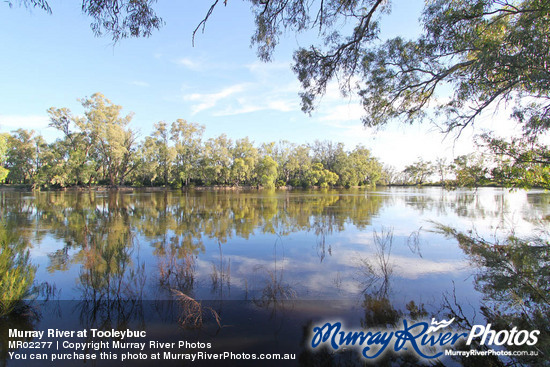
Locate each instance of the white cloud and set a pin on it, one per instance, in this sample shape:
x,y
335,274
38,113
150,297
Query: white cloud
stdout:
x,y
140,83
30,122
189,64
268,70
260,86
208,100
244,98
413,268
409,267
245,106
284,106
343,112
230,111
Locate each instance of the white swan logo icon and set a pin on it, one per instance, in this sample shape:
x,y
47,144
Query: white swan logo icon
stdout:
x,y
439,325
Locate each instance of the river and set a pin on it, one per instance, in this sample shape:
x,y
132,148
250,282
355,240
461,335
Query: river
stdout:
x,y
265,264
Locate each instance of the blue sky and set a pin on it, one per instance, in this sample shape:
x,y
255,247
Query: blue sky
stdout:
x,y
53,60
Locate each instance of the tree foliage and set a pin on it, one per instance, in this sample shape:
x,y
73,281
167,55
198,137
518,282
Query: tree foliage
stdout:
x,y
486,51
471,57
187,143
118,19
16,271
470,170
22,156
101,148
419,171
96,144
40,4
520,163
112,140
3,155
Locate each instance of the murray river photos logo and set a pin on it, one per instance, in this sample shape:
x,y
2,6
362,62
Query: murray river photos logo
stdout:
x,y
427,340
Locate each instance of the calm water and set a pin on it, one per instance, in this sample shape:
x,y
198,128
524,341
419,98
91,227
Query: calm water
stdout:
x,y
367,256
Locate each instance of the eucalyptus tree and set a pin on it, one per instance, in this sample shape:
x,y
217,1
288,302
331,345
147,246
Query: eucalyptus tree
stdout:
x,y
45,158
441,168
419,171
519,163
297,167
28,159
358,167
113,141
155,158
470,58
22,156
317,175
298,163
390,175
100,144
486,51
3,156
327,153
245,159
117,18
148,166
281,154
164,153
76,163
187,138
216,160
266,171
470,170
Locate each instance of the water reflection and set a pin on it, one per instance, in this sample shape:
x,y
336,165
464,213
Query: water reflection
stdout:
x,y
22,321
98,231
111,282
176,271
513,277
513,274
113,251
276,290
376,270
378,313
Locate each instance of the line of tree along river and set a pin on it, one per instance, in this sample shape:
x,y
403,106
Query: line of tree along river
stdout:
x,y
101,148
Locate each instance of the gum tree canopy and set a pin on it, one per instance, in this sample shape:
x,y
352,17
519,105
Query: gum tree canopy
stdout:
x,y
116,18
484,51
471,56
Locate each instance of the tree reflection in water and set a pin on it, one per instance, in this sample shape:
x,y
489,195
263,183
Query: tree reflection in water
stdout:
x,y
100,234
514,278
18,288
111,285
276,291
377,270
22,321
176,271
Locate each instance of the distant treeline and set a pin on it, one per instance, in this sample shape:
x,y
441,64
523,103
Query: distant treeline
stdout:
x,y
99,148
